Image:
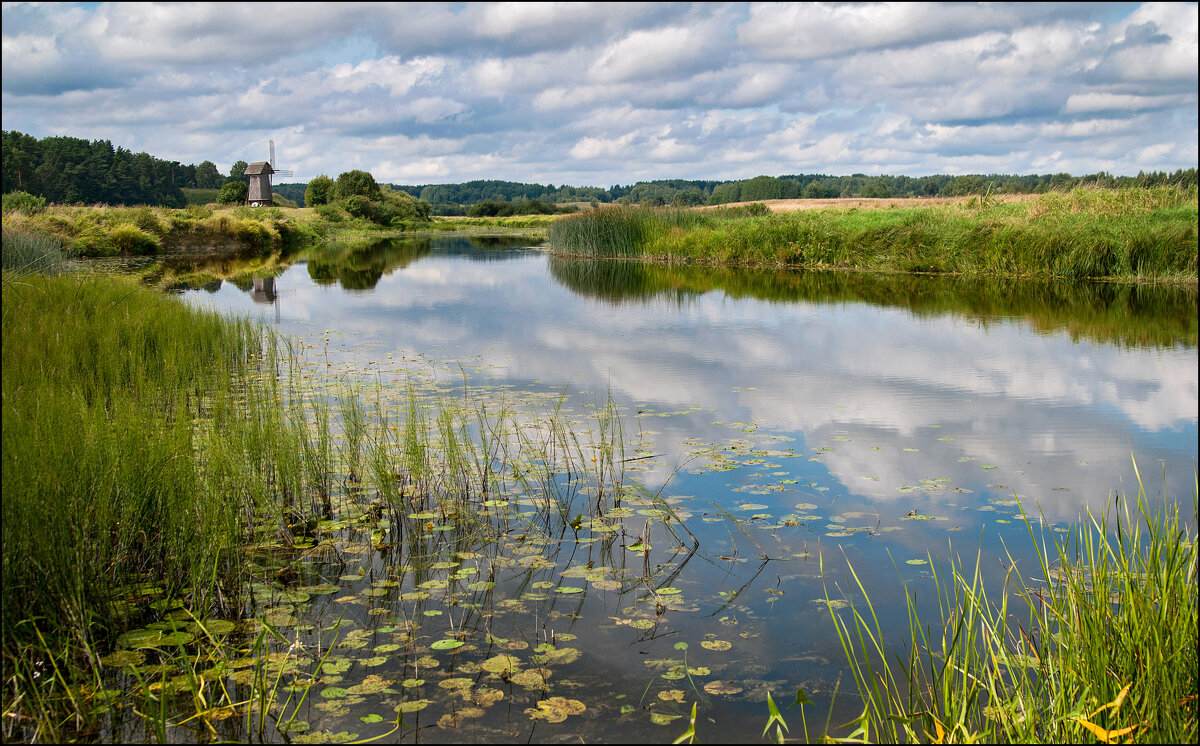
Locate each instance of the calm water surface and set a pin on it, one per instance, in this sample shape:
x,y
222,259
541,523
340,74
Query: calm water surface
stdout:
x,y
867,421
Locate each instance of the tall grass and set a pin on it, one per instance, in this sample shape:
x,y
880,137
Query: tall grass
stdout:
x,y
1096,642
30,253
1128,233
147,444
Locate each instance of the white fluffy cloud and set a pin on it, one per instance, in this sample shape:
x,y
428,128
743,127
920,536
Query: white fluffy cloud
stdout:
x,y
598,94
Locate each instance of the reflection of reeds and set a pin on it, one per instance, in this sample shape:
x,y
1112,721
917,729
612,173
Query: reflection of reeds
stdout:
x,y
1097,642
1126,313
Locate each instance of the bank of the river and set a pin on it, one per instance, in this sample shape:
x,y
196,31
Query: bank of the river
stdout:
x,y
1131,234
213,231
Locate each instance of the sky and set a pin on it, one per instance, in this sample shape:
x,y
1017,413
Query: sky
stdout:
x,y
596,94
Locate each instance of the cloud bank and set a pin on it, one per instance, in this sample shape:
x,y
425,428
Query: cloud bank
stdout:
x,y
599,94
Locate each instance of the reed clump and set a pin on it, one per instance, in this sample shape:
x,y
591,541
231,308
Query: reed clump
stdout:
x,y
1134,233
1096,642
32,253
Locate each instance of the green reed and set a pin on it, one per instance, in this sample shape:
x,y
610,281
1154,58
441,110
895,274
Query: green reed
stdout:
x,y
1097,642
1128,233
165,469
29,253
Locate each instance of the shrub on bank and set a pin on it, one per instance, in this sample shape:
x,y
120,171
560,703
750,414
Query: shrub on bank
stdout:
x,y
23,202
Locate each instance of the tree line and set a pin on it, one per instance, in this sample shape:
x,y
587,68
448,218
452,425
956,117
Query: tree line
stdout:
x,y
68,170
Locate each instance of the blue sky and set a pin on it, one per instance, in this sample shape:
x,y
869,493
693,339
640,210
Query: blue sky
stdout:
x,y
600,94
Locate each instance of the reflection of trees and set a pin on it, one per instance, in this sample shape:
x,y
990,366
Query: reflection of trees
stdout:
x,y
359,266
1124,313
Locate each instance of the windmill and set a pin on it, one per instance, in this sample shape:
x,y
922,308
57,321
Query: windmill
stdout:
x,y
260,173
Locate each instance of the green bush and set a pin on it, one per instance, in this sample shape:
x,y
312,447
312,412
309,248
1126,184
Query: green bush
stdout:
x,y
94,242
319,191
356,183
147,220
24,202
330,212
233,193
130,239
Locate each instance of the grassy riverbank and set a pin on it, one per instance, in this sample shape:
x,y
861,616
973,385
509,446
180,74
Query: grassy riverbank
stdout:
x,y
1143,234
103,231
100,231
1096,642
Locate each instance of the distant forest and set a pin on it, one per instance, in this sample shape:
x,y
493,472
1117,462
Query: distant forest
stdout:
x,y
70,170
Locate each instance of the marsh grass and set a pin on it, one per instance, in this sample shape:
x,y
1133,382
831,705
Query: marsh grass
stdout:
x,y
102,230
32,253
163,465
1128,233
1097,642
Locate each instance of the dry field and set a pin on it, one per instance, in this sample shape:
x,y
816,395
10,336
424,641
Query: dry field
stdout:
x,y
789,205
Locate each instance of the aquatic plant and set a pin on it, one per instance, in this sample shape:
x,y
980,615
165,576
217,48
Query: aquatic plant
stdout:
x,y
1100,643
29,253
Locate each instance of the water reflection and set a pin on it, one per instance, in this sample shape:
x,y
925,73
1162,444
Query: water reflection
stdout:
x,y
784,414
1107,312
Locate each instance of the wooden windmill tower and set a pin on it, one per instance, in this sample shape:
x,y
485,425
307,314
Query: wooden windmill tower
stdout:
x,y
260,173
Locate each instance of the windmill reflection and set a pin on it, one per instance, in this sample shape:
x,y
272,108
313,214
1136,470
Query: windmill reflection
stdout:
x,y
263,291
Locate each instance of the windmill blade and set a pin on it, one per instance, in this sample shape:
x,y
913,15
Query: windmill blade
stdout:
x,y
272,142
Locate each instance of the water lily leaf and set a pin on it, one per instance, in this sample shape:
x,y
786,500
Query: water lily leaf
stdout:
x,y
447,644
413,705
372,718
140,638
456,684
918,562
373,684
671,695
412,683
663,718
722,687
503,664
123,658
531,678
334,692
719,645
217,627
555,709
560,656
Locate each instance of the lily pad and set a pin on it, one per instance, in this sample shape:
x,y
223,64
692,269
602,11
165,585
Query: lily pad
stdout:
x,y
722,687
447,644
